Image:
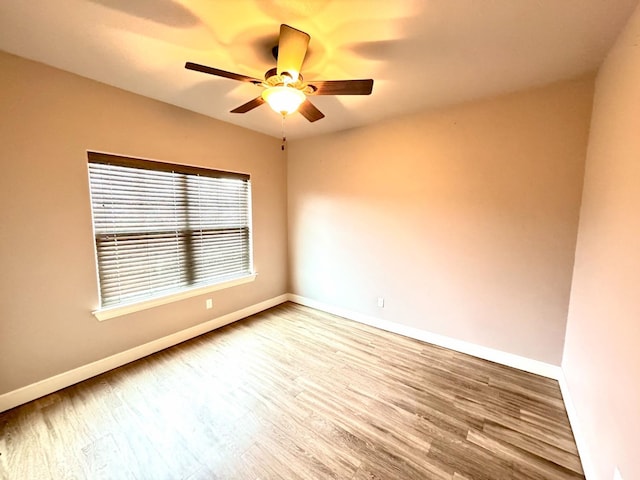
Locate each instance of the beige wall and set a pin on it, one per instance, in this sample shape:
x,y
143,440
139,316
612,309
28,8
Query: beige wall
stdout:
x,y
602,352
48,120
463,219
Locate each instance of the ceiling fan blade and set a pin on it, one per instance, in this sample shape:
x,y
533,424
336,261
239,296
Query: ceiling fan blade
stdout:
x,y
292,48
309,111
342,87
250,105
220,73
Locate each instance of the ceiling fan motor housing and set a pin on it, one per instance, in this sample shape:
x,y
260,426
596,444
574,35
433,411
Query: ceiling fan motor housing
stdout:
x,y
272,79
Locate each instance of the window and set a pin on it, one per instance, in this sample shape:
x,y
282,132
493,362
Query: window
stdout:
x,y
161,228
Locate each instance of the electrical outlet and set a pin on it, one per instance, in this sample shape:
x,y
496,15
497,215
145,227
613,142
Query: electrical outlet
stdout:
x,y
616,474
209,303
381,302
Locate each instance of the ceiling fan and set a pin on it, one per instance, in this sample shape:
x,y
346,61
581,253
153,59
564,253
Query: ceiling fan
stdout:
x,y
284,87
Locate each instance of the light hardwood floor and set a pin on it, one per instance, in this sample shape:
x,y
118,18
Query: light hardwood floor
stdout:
x,y
293,393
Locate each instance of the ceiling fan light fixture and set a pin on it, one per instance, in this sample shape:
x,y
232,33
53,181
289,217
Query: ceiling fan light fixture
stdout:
x,y
283,100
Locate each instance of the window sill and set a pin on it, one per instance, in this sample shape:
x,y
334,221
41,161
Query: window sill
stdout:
x,y
118,311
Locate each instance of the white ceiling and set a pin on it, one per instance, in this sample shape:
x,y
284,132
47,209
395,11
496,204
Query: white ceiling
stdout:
x,y
421,53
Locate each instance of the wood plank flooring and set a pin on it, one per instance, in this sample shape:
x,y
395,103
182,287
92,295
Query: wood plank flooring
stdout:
x,y
293,393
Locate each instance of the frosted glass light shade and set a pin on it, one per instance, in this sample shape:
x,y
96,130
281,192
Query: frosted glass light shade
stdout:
x,y
284,100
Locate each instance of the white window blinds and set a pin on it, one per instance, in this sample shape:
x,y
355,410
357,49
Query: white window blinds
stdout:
x,y
162,228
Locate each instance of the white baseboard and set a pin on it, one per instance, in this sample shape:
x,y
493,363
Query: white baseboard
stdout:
x,y
71,377
44,387
578,432
521,363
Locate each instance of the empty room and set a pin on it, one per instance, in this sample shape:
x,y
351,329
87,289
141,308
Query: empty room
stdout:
x,y
309,239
